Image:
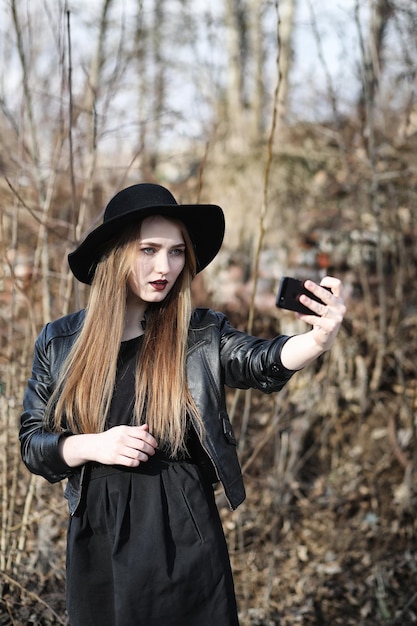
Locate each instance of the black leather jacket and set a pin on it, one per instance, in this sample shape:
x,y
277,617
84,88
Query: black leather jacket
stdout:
x,y
218,355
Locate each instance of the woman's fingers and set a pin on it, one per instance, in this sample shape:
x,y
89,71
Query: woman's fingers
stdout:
x,y
329,312
127,445
330,292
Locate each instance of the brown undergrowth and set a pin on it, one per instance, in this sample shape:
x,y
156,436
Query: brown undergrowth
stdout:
x,y
326,535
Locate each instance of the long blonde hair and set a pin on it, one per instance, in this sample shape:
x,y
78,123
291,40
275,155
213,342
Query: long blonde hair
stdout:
x,y
85,388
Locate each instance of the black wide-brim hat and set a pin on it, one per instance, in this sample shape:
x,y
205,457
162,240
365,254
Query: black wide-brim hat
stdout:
x,y
204,222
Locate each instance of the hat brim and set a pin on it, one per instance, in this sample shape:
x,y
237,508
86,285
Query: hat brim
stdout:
x,y
204,222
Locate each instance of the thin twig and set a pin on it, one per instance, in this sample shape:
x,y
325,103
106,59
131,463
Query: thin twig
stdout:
x,y
261,227
70,122
33,596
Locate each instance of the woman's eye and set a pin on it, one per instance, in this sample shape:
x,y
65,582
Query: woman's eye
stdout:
x,y
147,250
177,251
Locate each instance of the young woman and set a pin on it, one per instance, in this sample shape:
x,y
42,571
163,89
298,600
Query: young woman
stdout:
x,y
127,401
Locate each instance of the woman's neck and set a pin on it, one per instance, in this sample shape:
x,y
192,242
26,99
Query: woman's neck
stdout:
x,y
134,320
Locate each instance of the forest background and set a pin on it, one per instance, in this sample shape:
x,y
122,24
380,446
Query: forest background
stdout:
x,y
299,118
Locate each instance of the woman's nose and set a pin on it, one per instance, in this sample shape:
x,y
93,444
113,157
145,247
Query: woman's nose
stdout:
x,y
162,263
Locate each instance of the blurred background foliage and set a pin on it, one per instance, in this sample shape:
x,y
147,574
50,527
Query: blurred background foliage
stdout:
x,y
299,117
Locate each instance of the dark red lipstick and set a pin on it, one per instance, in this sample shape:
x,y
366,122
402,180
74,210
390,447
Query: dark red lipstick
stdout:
x,y
159,285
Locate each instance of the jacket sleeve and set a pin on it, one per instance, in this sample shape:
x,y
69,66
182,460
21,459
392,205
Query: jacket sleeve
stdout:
x,y
249,361
40,447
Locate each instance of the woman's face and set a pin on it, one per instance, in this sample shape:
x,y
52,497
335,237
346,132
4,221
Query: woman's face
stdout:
x,y
159,260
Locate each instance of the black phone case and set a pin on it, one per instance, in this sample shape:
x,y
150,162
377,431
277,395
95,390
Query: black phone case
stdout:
x,y
289,293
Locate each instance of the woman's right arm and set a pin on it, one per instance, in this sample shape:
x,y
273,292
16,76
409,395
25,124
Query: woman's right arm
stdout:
x,y
55,455
40,448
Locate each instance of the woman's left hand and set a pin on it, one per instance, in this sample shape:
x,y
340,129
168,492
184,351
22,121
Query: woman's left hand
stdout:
x,y
329,315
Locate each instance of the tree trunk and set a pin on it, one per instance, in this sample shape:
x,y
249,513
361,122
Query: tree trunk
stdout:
x,y
381,11
256,95
234,105
285,34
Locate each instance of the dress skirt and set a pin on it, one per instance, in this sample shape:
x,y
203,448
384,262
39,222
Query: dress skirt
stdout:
x,y
148,549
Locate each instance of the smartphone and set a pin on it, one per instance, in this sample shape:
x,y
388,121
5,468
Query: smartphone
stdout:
x,y
289,292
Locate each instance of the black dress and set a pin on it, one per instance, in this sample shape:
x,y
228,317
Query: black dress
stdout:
x,y
148,548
